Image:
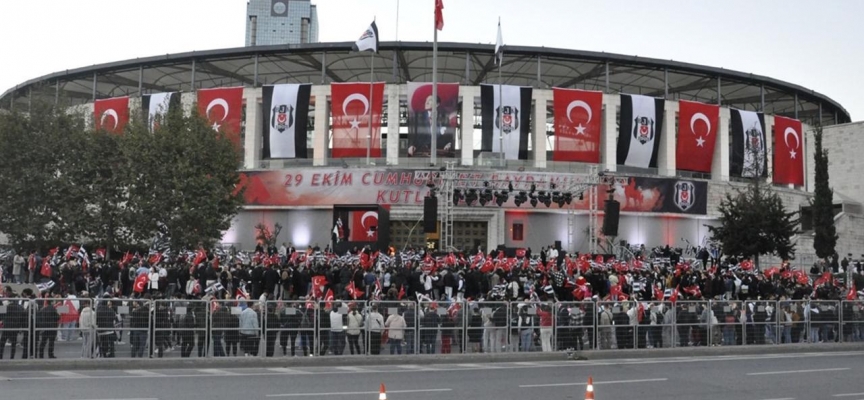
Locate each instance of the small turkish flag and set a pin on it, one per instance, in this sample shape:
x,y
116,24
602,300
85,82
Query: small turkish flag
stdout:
x,y
141,283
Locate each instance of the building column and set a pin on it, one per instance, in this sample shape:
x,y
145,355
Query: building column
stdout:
x,y
322,124
720,163
609,142
393,124
539,147
769,149
467,148
666,158
253,134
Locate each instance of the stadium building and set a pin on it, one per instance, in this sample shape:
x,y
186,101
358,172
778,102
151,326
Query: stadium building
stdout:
x,y
523,158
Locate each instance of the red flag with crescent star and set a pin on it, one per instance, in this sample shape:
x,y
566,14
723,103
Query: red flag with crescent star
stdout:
x,y
364,226
222,108
697,135
111,115
353,111
578,116
788,151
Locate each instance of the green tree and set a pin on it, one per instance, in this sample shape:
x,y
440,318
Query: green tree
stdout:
x,y
754,222
825,238
99,185
182,174
37,197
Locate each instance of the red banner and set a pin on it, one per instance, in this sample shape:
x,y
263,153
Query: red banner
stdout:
x,y
578,115
111,115
223,110
697,135
351,109
788,151
325,187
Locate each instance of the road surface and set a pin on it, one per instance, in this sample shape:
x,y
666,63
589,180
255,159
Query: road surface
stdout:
x,y
830,375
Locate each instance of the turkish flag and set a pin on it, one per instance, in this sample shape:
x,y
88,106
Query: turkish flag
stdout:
x,y
111,115
223,110
697,135
788,151
578,116
353,111
439,14
364,226
140,283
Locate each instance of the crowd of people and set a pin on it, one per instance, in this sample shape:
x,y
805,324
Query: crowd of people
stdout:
x,y
314,302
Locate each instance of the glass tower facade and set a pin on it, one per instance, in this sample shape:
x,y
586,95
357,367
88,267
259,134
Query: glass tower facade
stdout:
x,y
272,22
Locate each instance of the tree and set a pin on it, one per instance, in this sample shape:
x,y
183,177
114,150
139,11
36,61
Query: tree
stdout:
x,y
37,196
99,184
754,222
825,234
184,175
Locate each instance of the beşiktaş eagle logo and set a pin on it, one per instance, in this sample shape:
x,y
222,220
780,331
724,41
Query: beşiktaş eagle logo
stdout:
x,y
685,195
507,119
643,129
283,117
754,154
369,33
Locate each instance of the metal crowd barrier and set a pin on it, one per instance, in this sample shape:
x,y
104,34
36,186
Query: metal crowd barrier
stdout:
x,y
174,328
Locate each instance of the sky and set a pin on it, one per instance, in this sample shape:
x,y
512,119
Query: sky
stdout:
x,y
817,45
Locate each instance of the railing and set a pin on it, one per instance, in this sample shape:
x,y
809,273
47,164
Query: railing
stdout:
x,y
115,328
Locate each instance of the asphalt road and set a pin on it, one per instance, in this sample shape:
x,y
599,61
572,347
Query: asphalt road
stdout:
x,y
808,376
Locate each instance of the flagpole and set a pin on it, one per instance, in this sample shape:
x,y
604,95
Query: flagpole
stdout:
x,y
371,108
501,102
434,116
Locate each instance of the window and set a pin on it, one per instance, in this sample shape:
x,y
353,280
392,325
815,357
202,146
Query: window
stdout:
x,y
518,232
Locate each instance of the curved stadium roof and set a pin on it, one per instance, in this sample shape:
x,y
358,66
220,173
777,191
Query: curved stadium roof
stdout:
x,y
400,62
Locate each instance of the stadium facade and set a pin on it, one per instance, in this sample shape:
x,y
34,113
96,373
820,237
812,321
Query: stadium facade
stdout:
x,y
668,196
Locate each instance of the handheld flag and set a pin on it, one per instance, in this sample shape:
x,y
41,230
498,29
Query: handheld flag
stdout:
x,y
368,40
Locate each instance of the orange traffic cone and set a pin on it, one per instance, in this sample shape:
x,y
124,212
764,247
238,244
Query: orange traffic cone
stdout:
x,y
589,391
382,394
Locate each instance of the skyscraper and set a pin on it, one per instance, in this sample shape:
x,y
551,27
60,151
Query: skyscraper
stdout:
x,y
270,22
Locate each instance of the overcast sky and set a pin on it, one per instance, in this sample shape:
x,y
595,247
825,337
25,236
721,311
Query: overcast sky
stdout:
x,y
815,44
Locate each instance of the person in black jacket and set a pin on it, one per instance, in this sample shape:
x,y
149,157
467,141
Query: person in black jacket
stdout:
x,y
271,328
290,323
221,314
14,321
47,320
232,331
138,325
105,318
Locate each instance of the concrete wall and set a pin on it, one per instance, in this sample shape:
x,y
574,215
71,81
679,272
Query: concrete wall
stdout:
x,y
845,145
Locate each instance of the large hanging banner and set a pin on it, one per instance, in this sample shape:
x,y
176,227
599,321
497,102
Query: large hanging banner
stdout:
x,y
697,135
788,151
420,119
325,187
506,112
111,115
223,109
747,158
578,114
353,112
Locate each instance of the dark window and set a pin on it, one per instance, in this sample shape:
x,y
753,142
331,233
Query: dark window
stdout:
x,y
518,232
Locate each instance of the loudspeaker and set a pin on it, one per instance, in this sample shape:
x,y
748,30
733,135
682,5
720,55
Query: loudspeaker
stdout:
x,y
430,214
612,210
558,245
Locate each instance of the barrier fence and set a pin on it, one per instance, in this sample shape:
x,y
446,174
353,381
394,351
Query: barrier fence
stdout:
x,y
115,328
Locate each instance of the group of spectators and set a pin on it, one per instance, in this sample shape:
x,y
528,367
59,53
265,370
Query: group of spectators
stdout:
x,y
315,302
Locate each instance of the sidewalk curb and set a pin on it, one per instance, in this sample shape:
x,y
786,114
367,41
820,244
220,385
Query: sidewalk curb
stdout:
x,y
331,361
